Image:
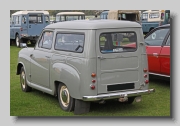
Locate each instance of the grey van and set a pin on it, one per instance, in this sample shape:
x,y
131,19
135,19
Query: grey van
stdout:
x,y
27,25
87,61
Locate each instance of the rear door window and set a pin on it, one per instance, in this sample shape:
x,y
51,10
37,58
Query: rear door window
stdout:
x,y
36,19
118,42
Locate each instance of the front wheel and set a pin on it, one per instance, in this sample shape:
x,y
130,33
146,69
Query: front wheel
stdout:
x,y
66,102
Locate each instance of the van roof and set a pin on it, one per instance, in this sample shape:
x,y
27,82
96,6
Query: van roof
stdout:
x,y
26,12
148,11
70,13
93,24
124,11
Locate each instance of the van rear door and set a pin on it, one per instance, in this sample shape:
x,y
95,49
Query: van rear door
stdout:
x,y
119,60
35,23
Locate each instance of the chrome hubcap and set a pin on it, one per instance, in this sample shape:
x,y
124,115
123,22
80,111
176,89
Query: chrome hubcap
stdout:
x,y
23,80
64,96
17,41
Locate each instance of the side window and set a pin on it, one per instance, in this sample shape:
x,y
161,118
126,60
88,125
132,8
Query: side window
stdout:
x,y
57,18
168,41
168,17
46,40
118,42
62,18
156,38
24,19
12,20
17,20
70,42
47,19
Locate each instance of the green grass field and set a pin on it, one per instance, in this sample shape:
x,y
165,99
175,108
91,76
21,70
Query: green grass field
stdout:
x,y
37,103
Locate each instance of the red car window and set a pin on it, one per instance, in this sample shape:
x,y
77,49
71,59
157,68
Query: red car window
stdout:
x,y
157,37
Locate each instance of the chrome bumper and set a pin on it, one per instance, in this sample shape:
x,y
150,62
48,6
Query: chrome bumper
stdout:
x,y
118,95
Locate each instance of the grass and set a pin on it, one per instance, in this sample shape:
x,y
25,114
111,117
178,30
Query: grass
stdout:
x,y
36,103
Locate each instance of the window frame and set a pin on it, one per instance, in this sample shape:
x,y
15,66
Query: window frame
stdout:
x,y
77,33
166,42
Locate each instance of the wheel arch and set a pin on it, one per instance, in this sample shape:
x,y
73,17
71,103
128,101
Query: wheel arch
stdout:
x,y
60,72
18,70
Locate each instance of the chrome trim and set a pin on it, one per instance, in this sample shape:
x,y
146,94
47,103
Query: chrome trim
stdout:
x,y
118,95
159,74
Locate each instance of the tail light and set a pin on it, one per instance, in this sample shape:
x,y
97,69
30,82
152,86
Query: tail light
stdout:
x,y
93,75
93,81
146,81
145,75
92,86
145,70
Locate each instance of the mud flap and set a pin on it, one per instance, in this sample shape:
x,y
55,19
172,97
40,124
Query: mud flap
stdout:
x,y
81,107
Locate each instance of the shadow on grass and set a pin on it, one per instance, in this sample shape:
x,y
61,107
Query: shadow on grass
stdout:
x,y
160,80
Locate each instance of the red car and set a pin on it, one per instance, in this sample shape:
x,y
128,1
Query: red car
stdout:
x,y
158,50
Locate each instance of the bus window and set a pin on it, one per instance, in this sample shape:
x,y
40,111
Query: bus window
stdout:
x,y
62,18
57,18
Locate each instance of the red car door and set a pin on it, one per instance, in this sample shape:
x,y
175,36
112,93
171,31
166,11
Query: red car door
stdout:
x,y
154,41
165,58
153,53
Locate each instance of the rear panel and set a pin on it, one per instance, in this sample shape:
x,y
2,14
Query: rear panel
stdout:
x,y
121,59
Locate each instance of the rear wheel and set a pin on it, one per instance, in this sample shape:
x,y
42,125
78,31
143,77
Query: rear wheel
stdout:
x,y
23,82
130,100
66,102
18,41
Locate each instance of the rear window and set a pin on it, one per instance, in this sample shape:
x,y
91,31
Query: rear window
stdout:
x,y
36,19
118,42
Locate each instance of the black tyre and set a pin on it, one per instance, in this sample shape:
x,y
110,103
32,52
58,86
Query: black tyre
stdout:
x,y
130,100
151,29
66,102
23,82
11,42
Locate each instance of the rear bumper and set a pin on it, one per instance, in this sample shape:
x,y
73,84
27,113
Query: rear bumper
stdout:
x,y
31,37
118,95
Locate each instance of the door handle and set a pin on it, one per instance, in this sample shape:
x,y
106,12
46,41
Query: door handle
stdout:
x,y
31,55
47,56
155,54
29,26
101,58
